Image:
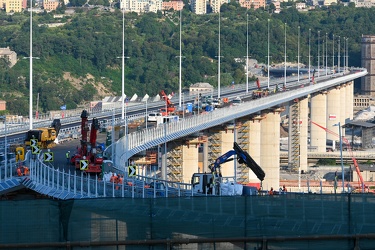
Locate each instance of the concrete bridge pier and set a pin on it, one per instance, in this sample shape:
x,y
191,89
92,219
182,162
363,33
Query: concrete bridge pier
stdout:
x,y
270,148
333,113
318,115
298,134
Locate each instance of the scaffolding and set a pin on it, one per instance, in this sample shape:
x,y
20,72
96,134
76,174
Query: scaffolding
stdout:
x,y
243,130
294,126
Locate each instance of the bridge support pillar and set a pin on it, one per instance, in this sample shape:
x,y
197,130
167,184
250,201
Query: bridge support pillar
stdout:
x,y
270,149
254,144
319,116
343,107
298,134
349,90
333,113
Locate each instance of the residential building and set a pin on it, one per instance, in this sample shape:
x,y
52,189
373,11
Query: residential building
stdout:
x,y
368,62
255,4
364,3
329,2
175,5
13,6
11,55
141,6
200,87
216,4
300,6
50,5
3,105
198,7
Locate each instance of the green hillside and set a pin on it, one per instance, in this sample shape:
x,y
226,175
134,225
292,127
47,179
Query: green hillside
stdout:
x,y
79,61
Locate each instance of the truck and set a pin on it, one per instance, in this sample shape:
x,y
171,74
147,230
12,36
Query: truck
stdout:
x,y
88,151
170,108
45,136
212,184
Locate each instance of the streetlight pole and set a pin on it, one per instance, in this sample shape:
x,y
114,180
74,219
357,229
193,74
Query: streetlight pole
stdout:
x,y
309,55
347,53
342,163
338,56
180,81
326,54
247,53
333,52
31,68
285,55
318,53
218,73
268,57
123,69
299,28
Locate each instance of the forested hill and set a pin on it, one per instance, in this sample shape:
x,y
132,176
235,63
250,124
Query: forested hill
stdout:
x,y
88,49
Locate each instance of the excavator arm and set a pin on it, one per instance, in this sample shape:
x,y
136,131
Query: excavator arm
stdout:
x,y
242,157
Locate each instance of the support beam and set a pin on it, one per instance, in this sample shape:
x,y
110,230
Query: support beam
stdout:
x,y
317,135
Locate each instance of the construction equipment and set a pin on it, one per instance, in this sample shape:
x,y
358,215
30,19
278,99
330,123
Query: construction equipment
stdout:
x,y
170,108
360,181
89,156
211,183
44,136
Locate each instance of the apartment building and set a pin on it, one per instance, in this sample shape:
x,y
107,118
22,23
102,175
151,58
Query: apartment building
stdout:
x,y
175,5
13,6
11,55
368,62
141,6
255,4
50,5
198,7
216,4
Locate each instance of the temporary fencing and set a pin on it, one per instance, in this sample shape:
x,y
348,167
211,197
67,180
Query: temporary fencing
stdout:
x,y
288,221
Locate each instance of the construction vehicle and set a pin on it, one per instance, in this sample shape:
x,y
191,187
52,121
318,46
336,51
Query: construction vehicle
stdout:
x,y
360,181
169,106
211,183
88,151
45,136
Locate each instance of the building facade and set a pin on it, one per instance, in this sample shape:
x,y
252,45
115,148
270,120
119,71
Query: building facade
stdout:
x,y
13,6
198,7
11,55
50,5
368,62
255,4
141,6
175,5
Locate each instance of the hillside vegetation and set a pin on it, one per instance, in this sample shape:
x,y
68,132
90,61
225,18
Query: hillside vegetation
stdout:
x,y
81,60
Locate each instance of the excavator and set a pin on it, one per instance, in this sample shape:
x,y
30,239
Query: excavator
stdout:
x,y
170,108
44,136
205,183
88,150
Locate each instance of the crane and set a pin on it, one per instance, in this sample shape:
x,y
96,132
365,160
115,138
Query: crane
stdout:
x,y
361,182
170,108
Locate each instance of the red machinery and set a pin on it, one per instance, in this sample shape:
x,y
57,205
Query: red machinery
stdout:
x,y
258,83
170,108
88,151
360,181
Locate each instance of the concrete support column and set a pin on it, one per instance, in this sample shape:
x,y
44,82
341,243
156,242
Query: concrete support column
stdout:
x,y
254,144
227,139
343,106
349,100
189,162
319,116
304,118
333,112
205,157
270,150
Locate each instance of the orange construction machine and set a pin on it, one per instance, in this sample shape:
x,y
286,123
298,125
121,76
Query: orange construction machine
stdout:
x,y
89,156
170,108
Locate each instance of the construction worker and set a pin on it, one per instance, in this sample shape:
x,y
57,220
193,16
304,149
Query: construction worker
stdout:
x,y
271,191
67,157
26,171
